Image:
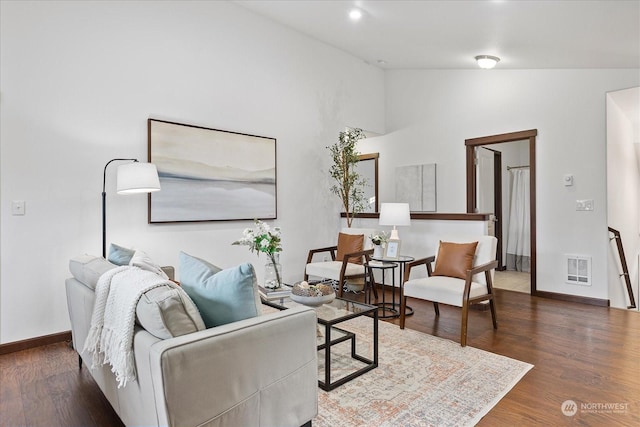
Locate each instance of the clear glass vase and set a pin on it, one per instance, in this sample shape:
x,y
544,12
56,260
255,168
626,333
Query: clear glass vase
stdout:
x,y
273,273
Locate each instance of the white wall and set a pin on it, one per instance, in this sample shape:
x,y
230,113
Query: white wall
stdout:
x,y
78,82
623,191
79,79
431,112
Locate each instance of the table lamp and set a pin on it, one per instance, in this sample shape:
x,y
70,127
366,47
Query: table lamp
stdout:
x,y
396,214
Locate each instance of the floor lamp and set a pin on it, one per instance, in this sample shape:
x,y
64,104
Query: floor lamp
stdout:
x,y
131,178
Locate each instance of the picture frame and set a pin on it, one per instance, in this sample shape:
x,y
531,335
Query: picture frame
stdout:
x,y
392,249
210,174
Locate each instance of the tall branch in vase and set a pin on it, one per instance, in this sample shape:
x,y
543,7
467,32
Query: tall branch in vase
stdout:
x,y
349,184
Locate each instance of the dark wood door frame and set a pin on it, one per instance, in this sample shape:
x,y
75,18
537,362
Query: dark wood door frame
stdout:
x,y
529,135
497,202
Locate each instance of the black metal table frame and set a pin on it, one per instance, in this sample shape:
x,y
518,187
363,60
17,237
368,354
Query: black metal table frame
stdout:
x,y
402,261
329,325
327,385
384,306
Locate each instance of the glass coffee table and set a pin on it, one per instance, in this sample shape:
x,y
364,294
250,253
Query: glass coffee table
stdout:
x,y
329,315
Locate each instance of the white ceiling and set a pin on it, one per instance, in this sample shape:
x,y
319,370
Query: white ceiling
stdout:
x,y
431,34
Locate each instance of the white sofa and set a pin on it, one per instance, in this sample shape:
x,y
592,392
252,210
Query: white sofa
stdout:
x,y
255,372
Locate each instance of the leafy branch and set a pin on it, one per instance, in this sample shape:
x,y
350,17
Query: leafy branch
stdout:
x,y
349,185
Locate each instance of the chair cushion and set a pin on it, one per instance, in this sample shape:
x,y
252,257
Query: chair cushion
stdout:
x,y
454,259
350,243
222,296
167,312
446,290
331,269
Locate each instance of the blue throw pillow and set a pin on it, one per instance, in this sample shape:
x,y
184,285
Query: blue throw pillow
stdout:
x,y
119,255
195,270
222,296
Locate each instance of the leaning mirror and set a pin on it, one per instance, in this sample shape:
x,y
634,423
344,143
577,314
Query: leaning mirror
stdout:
x,y
367,167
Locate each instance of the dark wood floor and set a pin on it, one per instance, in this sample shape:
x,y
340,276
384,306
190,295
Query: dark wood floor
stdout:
x,y
587,354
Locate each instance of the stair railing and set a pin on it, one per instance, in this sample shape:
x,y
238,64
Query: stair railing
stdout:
x,y
625,269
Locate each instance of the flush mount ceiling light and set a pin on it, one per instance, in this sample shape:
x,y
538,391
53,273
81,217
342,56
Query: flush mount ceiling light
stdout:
x,y
487,61
355,14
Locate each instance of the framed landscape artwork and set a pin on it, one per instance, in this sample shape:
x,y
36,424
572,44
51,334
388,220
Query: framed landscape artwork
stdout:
x,y
210,175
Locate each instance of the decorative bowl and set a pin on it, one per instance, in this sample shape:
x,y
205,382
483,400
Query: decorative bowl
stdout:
x,y
312,295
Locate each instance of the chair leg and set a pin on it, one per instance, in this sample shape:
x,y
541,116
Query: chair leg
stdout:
x,y
493,314
463,325
403,309
436,307
373,286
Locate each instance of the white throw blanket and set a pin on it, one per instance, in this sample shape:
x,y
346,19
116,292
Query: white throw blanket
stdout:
x,y
110,338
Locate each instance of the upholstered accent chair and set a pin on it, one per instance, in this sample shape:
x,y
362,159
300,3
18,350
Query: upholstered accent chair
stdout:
x,y
354,248
463,275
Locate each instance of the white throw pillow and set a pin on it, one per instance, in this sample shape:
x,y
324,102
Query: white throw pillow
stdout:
x,y
141,260
167,312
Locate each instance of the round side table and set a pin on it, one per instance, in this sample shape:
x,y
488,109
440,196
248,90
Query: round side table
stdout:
x,y
388,309
401,260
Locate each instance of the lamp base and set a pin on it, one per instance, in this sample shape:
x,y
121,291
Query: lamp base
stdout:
x,y
394,234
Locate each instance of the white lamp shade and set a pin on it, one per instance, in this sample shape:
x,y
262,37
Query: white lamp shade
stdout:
x,y
395,214
137,177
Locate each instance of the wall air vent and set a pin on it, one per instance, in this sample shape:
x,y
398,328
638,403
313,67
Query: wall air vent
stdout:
x,y
578,270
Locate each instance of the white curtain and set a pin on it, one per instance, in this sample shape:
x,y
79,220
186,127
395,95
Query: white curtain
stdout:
x,y
518,235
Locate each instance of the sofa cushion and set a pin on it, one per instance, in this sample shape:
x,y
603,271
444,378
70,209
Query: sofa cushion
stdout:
x,y
454,259
88,269
222,296
119,255
167,312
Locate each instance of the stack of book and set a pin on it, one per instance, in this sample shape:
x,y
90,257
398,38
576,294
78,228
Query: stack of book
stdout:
x,y
271,294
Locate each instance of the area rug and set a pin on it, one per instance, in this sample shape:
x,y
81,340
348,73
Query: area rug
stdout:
x,y
421,380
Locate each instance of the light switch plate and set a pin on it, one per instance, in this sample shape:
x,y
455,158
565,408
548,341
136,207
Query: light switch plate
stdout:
x,y
568,180
584,205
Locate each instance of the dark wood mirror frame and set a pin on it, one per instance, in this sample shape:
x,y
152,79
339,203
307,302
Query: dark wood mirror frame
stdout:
x,y
372,181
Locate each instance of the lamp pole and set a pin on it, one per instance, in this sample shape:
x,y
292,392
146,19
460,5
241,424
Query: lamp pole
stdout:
x,y
104,204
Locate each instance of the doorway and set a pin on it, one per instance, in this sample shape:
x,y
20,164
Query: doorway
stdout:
x,y
475,196
489,194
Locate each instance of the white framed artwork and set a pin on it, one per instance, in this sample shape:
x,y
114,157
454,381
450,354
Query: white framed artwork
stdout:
x,y
392,250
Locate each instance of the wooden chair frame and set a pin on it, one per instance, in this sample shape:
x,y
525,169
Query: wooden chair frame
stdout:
x,y
366,254
466,300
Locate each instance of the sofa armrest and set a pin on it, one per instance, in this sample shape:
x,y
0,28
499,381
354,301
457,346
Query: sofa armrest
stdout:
x,y
258,371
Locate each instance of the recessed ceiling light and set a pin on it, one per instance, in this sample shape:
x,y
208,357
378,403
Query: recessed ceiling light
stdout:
x,y
381,62
487,61
355,14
